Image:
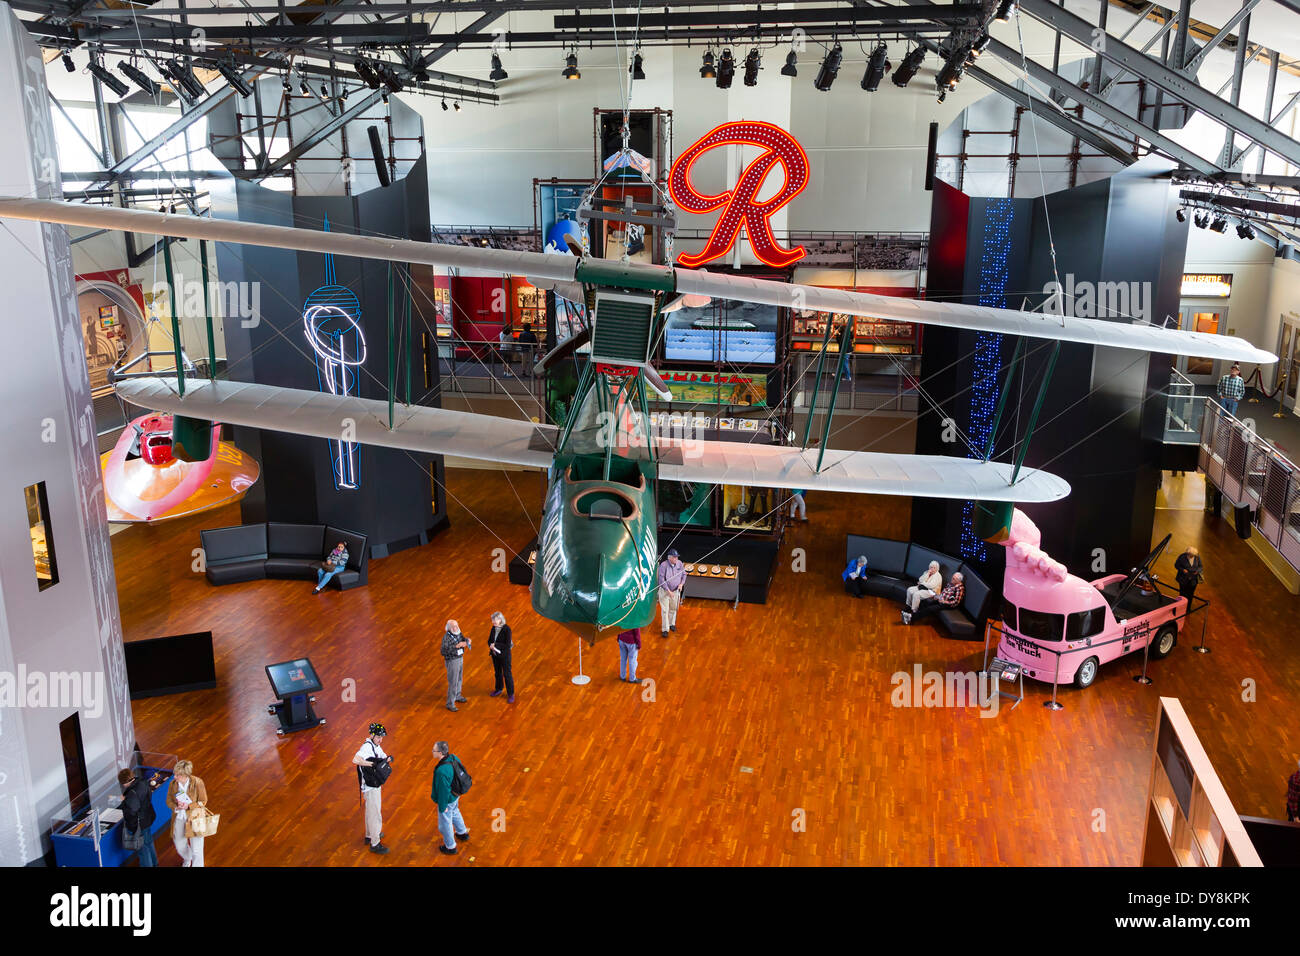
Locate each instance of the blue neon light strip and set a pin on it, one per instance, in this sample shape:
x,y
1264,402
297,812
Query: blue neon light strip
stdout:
x,y
995,250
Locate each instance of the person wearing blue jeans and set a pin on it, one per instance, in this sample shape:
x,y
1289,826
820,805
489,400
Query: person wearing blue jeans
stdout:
x,y
138,811
450,823
629,642
334,562
1232,389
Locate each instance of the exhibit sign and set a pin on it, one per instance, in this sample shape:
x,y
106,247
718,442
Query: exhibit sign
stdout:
x,y
1206,285
717,388
740,205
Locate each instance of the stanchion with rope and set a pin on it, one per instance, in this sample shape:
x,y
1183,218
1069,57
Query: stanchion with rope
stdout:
x,y
1146,654
580,678
1054,704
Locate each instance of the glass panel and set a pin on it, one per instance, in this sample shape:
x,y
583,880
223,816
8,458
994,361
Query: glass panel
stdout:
x,y
38,520
1040,626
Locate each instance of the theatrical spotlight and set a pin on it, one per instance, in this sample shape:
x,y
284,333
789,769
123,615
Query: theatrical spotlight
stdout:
x,y
707,71
456,106
137,77
444,106
498,71
1201,220
829,69
752,62
67,62
366,74
877,66
979,46
950,73
182,74
108,79
1181,214
1005,9
388,76
1219,225
1245,231
570,71
726,70
791,64
287,84
232,76
907,69
635,69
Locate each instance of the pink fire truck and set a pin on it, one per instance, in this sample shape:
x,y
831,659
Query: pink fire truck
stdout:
x,y
1059,627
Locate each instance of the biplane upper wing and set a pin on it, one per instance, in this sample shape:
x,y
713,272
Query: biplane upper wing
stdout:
x,y
1118,334
512,441
566,269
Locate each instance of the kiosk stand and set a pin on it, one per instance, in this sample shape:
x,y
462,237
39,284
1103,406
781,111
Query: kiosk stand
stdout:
x,y
294,683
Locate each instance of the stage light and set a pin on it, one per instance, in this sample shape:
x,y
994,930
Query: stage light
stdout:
x,y
67,62
498,72
907,69
752,63
1181,214
726,71
829,69
137,77
1005,9
108,79
232,76
1219,225
366,74
456,106
877,65
389,77
444,106
637,72
182,74
791,64
324,92
287,84
1201,220
302,85
980,45
571,67
707,71
949,73
1245,231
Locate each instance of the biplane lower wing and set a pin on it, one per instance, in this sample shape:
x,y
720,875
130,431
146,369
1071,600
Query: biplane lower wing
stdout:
x,y
511,441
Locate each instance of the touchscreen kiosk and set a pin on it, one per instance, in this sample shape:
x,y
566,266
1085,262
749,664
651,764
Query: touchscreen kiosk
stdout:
x,y
294,682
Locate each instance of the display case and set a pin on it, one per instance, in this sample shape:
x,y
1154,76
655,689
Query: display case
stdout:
x,y
92,835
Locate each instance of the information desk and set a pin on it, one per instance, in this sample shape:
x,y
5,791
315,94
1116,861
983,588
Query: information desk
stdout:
x,y
74,840
702,582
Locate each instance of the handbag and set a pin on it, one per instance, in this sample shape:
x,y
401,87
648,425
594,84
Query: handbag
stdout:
x,y
133,839
201,822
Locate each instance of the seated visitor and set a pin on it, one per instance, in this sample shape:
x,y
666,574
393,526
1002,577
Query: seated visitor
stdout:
x,y
927,586
951,596
855,576
334,562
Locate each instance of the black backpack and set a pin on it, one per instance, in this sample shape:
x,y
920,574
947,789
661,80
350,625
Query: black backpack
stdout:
x,y
461,781
378,773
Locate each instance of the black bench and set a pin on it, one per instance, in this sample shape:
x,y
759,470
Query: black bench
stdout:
x,y
273,549
894,566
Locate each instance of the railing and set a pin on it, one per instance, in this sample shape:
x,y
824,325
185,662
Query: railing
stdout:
x,y
1252,473
1185,411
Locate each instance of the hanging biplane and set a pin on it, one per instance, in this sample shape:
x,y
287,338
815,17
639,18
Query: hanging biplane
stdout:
x,y
598,546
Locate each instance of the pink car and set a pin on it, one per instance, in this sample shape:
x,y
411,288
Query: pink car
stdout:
x,y
1047,611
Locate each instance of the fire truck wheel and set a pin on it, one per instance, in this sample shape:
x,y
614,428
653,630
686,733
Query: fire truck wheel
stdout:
x,y
1087,673
1165,640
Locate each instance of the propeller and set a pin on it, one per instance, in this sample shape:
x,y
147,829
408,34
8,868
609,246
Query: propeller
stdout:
x,y
563,350
654,381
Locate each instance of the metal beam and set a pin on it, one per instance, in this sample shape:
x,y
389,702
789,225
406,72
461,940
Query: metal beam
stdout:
x,y
1169,80
1048,111
1179,54
961,14
1277,118
1104,109
1238,69
322,133
1194,64
356,32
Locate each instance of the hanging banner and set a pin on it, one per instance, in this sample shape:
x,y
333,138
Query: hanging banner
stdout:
x,y
717,388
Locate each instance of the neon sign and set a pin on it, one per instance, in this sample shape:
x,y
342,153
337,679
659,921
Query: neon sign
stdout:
x,y
330,320
738,204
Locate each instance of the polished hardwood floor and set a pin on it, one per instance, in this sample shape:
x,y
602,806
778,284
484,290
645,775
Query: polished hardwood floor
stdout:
x,y
767,736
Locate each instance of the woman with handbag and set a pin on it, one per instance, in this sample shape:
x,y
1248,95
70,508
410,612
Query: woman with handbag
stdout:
x,y
187,798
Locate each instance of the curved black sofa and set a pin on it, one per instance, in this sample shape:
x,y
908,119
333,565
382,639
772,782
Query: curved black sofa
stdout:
x,y
274,549
894,566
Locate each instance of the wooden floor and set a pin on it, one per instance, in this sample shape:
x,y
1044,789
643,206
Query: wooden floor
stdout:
x,y
760,720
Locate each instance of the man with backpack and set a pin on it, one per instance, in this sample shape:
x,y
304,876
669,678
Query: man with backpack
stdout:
x,y
373,769
450,782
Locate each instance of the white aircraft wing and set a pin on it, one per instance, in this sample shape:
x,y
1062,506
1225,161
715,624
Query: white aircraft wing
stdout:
x,y
511,441
863,472
690,282
299,411
1119,334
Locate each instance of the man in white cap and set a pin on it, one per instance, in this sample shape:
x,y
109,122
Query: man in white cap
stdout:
x,y
672,582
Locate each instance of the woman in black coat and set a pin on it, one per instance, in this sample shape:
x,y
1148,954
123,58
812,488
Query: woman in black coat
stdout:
x,y
1189,572
499,645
